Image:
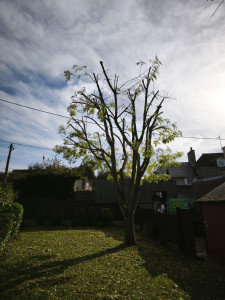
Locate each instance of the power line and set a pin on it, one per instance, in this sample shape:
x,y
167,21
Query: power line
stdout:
x,y
30,119
54,114
49,149
40,110
27,145
200,138
43,111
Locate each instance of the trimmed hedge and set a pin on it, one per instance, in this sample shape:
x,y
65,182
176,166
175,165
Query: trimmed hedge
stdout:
x,y
17,210
11,214
7,194
48,185
6,227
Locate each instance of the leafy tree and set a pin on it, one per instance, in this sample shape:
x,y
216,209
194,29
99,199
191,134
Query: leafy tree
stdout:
x,y
48,164
119,128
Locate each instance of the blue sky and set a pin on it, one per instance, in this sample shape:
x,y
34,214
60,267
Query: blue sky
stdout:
x,y
41,39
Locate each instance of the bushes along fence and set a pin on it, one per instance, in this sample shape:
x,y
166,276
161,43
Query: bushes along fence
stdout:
x,y
11,214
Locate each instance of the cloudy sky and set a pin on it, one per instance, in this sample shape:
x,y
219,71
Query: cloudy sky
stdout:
x,y
41,39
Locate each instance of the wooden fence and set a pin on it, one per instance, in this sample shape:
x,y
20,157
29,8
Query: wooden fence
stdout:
x,y
176,228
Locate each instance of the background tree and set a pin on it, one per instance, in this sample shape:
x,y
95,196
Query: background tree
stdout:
x,y
125,134
48,164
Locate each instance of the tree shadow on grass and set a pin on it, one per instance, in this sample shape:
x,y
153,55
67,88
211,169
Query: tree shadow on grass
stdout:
x,y
196,278
42,271
117,233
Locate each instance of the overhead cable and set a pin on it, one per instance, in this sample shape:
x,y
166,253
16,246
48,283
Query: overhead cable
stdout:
x,y
19,144
58,115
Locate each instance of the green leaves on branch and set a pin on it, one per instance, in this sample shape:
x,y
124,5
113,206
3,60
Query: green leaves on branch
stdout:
x,y
76,69
166,131
141,62
153,177
154,70
72,109
67,74
162,158
167,158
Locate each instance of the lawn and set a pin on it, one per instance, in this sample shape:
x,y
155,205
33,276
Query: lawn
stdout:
x,y
85,263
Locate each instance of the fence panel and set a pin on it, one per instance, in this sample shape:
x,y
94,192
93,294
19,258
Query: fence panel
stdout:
x,y
176,228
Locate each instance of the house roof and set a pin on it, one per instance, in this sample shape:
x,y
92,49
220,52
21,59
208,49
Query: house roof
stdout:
x,y
185,170
218,194
209,159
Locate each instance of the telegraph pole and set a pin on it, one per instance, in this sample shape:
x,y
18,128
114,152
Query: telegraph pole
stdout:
x,y
8,159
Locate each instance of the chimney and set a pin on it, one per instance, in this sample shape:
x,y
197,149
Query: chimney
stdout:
x,y
191,157
223,148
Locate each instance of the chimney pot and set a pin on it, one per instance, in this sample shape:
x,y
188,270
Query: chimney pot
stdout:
x,y
191,157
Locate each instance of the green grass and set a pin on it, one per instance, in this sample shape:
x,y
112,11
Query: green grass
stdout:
x,y
62,263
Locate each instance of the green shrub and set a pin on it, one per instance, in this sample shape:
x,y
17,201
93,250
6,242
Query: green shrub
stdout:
x,y
10,213
6,193
38,185
17,210
6,209
106,215
6,226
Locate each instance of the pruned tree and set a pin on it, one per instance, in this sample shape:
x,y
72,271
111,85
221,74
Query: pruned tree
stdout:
x,y
119,128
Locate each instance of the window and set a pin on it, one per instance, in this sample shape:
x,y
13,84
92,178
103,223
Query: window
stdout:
x,y
221,162
187,181
158,195
82,185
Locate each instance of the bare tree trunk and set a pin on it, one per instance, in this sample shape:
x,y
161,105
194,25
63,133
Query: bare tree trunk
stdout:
x,y
125,198
130,239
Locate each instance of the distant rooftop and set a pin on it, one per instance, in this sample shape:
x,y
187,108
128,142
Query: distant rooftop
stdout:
x,y
184,170
209,159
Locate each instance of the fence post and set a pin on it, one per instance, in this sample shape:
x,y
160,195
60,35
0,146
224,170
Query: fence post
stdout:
x,y
186,240
179,231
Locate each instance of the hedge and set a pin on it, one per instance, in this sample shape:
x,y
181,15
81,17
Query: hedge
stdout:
x,y
6,226
17,210
53,185
11,214
7,194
